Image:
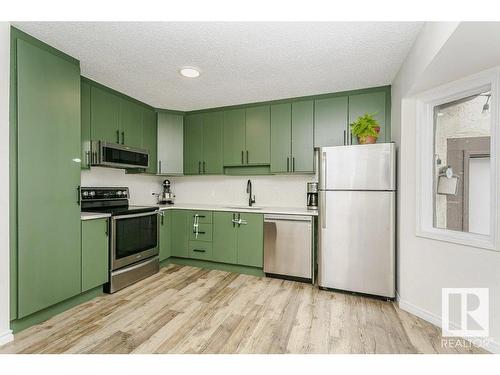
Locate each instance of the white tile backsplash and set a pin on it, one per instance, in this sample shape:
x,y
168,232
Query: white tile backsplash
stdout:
x,y
274,191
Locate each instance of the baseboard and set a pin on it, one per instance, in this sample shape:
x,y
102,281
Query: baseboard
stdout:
x,y
6,337
490,345
254,271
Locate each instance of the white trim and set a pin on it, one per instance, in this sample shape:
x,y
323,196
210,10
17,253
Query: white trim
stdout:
x,y
425,159
6,337
491,346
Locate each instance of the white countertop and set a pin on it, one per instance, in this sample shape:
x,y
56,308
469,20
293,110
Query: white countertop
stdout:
x,y
238,208
93,215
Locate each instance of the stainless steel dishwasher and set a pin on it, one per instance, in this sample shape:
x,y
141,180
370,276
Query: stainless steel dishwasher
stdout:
x,y
288,246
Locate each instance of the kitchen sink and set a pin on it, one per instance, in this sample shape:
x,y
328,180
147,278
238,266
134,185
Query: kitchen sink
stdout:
x,y
244,207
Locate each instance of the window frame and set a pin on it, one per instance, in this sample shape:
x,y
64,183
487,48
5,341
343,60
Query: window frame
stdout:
x,y
488,80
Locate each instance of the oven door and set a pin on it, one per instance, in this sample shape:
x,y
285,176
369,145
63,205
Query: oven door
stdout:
x,y
133,238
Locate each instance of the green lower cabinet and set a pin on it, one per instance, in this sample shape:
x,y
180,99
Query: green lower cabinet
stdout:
x,y
180,233
224,238
250,242
95,253
200,250
165,234
203,233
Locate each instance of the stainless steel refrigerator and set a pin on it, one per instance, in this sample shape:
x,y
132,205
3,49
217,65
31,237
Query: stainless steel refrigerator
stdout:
x,y
357,201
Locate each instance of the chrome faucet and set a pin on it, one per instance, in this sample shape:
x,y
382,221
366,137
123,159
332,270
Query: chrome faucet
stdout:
x,y
249,191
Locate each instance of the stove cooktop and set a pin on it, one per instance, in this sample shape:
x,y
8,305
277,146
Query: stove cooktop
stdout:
x,y
123,210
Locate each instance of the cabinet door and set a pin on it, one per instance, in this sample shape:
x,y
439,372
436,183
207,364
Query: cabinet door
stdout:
x,y
302,137
330,122
149,134
281,130
257,135
165,234
179,233
373,102
250,243
213,123
224,241
48,142
130,123
234,137
170,143
193,144
95,253
104,115
85,124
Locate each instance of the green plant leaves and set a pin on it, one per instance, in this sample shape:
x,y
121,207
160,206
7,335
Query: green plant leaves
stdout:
x,y
365,125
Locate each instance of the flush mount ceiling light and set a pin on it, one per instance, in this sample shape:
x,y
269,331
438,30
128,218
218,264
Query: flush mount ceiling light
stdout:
x,y
189,72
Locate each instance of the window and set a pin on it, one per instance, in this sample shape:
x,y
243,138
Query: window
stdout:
x,y
456,152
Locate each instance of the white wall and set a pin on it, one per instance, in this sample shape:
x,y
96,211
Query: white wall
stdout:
x,y
280,191
426,266
5,333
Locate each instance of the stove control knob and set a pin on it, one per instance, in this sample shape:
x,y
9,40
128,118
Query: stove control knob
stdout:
x,y
92,193
124,193
85,193
118,193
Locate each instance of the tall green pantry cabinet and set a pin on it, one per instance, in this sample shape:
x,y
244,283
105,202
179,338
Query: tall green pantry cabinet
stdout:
x,y
48,177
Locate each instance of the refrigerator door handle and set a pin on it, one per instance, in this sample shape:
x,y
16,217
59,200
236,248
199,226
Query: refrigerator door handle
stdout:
x,y
322,211
322,175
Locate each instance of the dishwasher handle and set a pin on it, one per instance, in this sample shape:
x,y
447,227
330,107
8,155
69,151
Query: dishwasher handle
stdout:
x,y
271,218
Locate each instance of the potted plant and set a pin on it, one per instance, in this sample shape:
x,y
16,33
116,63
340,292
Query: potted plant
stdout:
x,y
366,128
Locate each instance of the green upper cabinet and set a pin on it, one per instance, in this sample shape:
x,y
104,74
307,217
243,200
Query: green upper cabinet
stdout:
x,y
85,124
48,142
130,123
105,115
330,121
234,137
170,143
292,129
149,140
95,253
302,137
165,234
193,144
250,242
257,135
213,123
281,137
224,241
371,102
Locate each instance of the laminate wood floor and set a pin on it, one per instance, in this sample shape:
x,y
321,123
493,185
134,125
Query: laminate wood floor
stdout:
x,y
185,309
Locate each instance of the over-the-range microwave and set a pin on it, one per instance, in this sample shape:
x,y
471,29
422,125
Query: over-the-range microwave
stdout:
x,y
107,154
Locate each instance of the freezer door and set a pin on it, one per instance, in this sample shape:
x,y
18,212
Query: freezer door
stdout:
x,y
358,167
357,241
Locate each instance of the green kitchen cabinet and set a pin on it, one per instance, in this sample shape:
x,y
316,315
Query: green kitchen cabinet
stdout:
x,y
213,123
104,115
165,234
85,124
234,137
257,135
371,102
302,137
292,129
200,250
331,121
180,233
224,237
250,240
95,253
281,131
131,115
48,146
149,137
193,144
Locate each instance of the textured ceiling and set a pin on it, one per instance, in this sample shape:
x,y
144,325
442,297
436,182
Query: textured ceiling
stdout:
x,y
239,62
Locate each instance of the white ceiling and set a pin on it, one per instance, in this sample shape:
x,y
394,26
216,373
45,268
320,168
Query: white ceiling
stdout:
x,y
239,62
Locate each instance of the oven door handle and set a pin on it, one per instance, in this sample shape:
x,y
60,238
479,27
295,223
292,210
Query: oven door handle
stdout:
x,y
151,213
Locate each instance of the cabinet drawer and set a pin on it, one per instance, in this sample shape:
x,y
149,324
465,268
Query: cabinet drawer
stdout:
x,y
204,233
200,250
203,216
